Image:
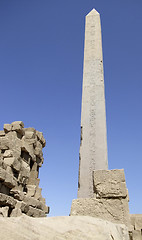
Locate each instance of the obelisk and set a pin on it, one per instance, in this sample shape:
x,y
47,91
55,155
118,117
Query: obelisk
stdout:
x,y
93,146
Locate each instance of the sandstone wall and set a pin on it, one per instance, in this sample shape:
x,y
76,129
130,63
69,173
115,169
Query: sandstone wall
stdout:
x,y
20,158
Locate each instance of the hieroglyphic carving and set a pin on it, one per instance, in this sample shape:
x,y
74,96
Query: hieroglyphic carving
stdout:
x,y
93,149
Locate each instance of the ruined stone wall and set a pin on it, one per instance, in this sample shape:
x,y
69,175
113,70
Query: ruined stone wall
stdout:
x,y
20,158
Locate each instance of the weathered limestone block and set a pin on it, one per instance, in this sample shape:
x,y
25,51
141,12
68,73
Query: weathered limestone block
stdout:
x,y
41,138
17,126
9,170
38,193
30,141
16,212
28,148
7,200
9,161
24,173
7,127
30,201
17,164
114,210
19,195
46,209
2,164
110,183
136,235
4,189
2,174
14,143
37,182
4,143
4,211
10,181
38,150
29,135
136,221
2,133
8,154
33,212
31,190
33,175
42,200
24,207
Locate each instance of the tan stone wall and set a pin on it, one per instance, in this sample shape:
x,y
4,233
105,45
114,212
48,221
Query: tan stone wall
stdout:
x,y
20,158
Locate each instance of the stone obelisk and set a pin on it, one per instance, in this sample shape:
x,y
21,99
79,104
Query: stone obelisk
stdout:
x,y
93,147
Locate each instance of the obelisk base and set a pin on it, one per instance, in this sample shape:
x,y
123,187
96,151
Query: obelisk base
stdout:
x,y
110,201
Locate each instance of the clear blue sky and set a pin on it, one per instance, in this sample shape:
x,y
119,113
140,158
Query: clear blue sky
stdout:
x,y
41,65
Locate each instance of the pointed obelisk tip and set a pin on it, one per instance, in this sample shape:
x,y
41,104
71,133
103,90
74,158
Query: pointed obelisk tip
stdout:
x,y
92,12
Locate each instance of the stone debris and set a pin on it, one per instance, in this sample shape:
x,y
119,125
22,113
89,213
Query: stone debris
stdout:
x,y
20,158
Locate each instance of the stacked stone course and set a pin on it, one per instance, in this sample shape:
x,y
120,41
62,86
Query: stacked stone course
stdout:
x,y
20,158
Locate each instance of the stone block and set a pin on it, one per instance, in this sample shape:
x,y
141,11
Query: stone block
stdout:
x,y
41,138
38,193
2,164
4,143
136,235
14,143
4,189
10,181
29,134
37,182
46,209
7,127
38,152
17,194
9,170
33,212
8,154
2,174
136,221
24,207
17,126
4,211
2,133
24,173
31,190
16,212
16,164
7,200
42,200
28,148
114,210
9,160
109,183
30,201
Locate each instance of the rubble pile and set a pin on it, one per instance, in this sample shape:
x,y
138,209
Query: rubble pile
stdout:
x,y
20,158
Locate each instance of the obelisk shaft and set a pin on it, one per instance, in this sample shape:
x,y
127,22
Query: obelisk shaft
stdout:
x,y
93,147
